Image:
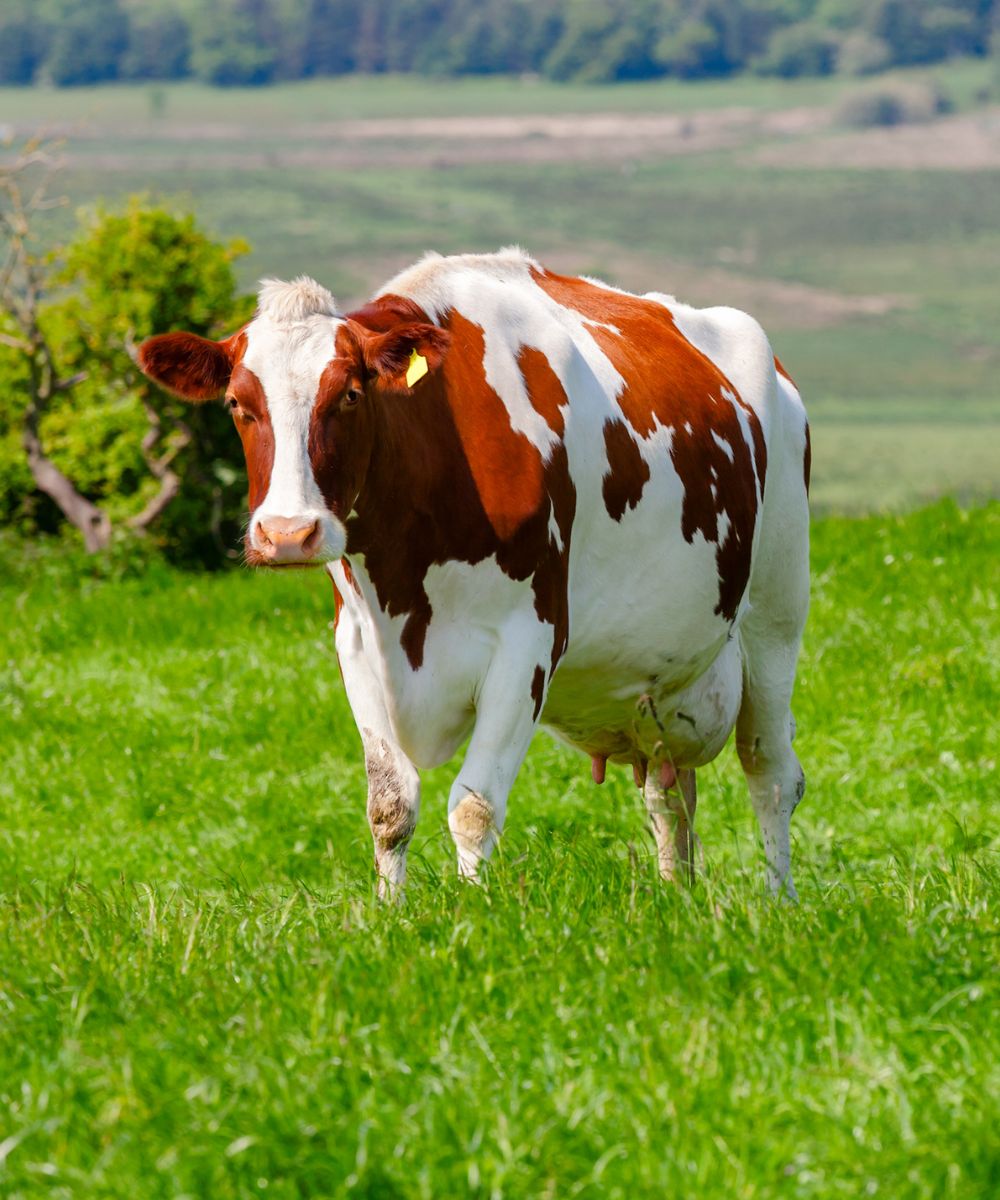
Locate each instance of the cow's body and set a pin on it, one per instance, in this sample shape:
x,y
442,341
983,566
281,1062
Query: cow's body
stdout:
x,y
591,512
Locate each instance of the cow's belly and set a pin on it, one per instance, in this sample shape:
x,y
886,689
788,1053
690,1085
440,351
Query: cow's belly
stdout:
x,y
650,659
625,716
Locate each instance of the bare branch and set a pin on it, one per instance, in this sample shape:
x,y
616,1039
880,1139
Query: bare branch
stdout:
x,y
22,285
64,385
130,348
170,485
161,467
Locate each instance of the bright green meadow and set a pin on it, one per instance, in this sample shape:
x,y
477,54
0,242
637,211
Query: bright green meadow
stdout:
x,y
200,996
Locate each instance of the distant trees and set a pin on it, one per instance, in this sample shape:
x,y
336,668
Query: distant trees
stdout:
x,y
240,42
84,437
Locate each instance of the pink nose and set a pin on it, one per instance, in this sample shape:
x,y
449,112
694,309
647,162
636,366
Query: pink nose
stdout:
x,y
288,539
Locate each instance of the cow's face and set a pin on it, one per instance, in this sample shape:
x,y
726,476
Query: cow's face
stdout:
x,y
304,385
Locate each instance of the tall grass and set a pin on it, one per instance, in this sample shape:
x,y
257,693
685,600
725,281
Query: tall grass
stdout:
x,y
200,997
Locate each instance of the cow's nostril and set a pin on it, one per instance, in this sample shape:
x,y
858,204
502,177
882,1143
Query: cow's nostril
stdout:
x,y
262,536
310,543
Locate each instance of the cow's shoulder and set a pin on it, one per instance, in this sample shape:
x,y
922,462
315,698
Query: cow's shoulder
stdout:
x,y
478,446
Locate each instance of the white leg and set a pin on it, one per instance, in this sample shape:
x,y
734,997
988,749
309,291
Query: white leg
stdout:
x,y
770,637
671,799
764,731
505,723
393,781
393,806
776,784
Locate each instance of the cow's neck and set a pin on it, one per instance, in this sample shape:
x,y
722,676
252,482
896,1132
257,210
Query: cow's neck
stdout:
x,y
418,504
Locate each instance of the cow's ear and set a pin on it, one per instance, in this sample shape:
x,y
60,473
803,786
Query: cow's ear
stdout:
x,y
403,355
190,366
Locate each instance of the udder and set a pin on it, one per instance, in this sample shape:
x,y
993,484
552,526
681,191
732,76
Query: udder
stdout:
x,y
637,720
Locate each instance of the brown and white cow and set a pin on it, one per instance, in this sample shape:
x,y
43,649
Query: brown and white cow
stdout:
x,y
540,499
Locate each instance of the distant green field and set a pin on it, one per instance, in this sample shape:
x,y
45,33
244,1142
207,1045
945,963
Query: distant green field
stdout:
x,y
411,95
894,342
200,997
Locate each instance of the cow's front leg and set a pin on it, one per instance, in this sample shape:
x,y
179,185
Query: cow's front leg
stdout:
x,y
507,711
393,781
393,805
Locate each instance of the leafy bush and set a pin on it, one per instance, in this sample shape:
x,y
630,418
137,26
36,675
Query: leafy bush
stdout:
x,y
126,276
693,51
861,53
898,104
804,49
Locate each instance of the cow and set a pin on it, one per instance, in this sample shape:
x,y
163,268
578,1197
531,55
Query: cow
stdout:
x,y
541,500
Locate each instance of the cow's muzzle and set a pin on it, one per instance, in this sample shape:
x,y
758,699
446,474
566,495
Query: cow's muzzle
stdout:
x,y
280,541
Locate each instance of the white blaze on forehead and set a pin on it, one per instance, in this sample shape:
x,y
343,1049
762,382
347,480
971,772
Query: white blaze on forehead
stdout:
x,y
290,341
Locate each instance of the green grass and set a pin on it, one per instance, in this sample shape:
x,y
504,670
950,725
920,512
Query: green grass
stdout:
x,y
404,95
199,996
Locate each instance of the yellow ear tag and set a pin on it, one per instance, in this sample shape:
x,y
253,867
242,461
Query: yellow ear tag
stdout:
x,y
417,368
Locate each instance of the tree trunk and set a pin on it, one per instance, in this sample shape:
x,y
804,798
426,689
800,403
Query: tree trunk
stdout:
x,y
92,522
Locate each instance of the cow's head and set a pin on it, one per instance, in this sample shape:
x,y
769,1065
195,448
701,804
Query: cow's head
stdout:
x,y
304,385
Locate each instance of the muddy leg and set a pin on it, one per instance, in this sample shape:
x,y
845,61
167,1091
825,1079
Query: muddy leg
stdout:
x,y
505,722
671,798
393,805
393,781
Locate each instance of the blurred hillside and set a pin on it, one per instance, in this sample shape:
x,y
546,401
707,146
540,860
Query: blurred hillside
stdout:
x,y
870,251
251,42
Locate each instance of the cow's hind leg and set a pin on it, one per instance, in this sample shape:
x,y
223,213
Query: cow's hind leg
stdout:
x,y
769,639
764,732
671,799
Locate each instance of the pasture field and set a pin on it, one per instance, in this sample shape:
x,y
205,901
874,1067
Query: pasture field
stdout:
x,y
871,257
199,996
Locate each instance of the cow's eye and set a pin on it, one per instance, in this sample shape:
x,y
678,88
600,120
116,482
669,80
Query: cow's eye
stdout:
x,y
240,414
353,397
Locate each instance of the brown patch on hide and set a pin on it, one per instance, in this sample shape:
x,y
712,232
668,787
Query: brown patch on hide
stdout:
x,y
253,423
506,467
538,689
448,479
669,382
627,473
807,459
545,391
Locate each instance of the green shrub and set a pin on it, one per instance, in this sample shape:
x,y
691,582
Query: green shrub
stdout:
x,y
861,53
803,49
895,104
126,276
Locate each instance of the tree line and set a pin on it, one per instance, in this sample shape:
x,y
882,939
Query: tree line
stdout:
x,y
251,42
